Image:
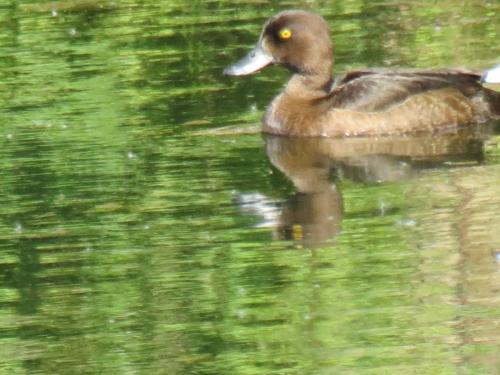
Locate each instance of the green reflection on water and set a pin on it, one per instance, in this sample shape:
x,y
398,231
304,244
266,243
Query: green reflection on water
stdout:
x,y
124,245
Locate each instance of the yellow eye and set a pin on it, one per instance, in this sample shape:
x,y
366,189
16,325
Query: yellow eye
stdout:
x,y
285,33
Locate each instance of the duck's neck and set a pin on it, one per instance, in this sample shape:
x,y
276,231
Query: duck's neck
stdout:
x,y
309,86
312,78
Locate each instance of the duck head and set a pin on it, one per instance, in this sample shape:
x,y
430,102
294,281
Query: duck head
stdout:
x,y
296,39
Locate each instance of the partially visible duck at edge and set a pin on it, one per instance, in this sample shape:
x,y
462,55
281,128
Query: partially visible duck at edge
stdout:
x,y
363,102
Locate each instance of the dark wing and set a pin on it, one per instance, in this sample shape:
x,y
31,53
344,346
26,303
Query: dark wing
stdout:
x,y
349,76
377,90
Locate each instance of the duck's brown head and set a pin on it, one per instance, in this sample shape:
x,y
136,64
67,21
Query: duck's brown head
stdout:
x,y
297,39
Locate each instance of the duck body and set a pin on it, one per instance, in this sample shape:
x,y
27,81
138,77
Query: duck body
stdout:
x,y
364,102
377,103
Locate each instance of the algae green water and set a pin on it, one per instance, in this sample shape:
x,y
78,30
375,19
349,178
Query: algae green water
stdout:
x,y
135,239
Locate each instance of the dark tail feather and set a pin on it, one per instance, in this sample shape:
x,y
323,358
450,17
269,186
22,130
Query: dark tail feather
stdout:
x,y
493,98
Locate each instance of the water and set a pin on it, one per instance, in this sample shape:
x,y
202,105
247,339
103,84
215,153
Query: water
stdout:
x,y
135,239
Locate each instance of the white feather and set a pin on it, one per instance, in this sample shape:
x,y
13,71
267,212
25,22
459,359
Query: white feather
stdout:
x,y
492,75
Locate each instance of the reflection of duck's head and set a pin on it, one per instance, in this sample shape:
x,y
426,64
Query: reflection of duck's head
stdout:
x,y
369,102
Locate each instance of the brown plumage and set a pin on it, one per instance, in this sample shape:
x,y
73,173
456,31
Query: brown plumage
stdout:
x,y
364,102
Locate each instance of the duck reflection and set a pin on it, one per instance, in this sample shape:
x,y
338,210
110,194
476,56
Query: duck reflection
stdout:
x,y
313,215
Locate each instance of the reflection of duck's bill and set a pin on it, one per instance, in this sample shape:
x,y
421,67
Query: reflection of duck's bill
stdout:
x,y
492,75
256,59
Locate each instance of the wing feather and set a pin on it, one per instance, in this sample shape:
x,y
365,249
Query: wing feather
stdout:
x,y
378,90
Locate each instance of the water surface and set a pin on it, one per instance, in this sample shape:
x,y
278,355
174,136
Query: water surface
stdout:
x,y
133,239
